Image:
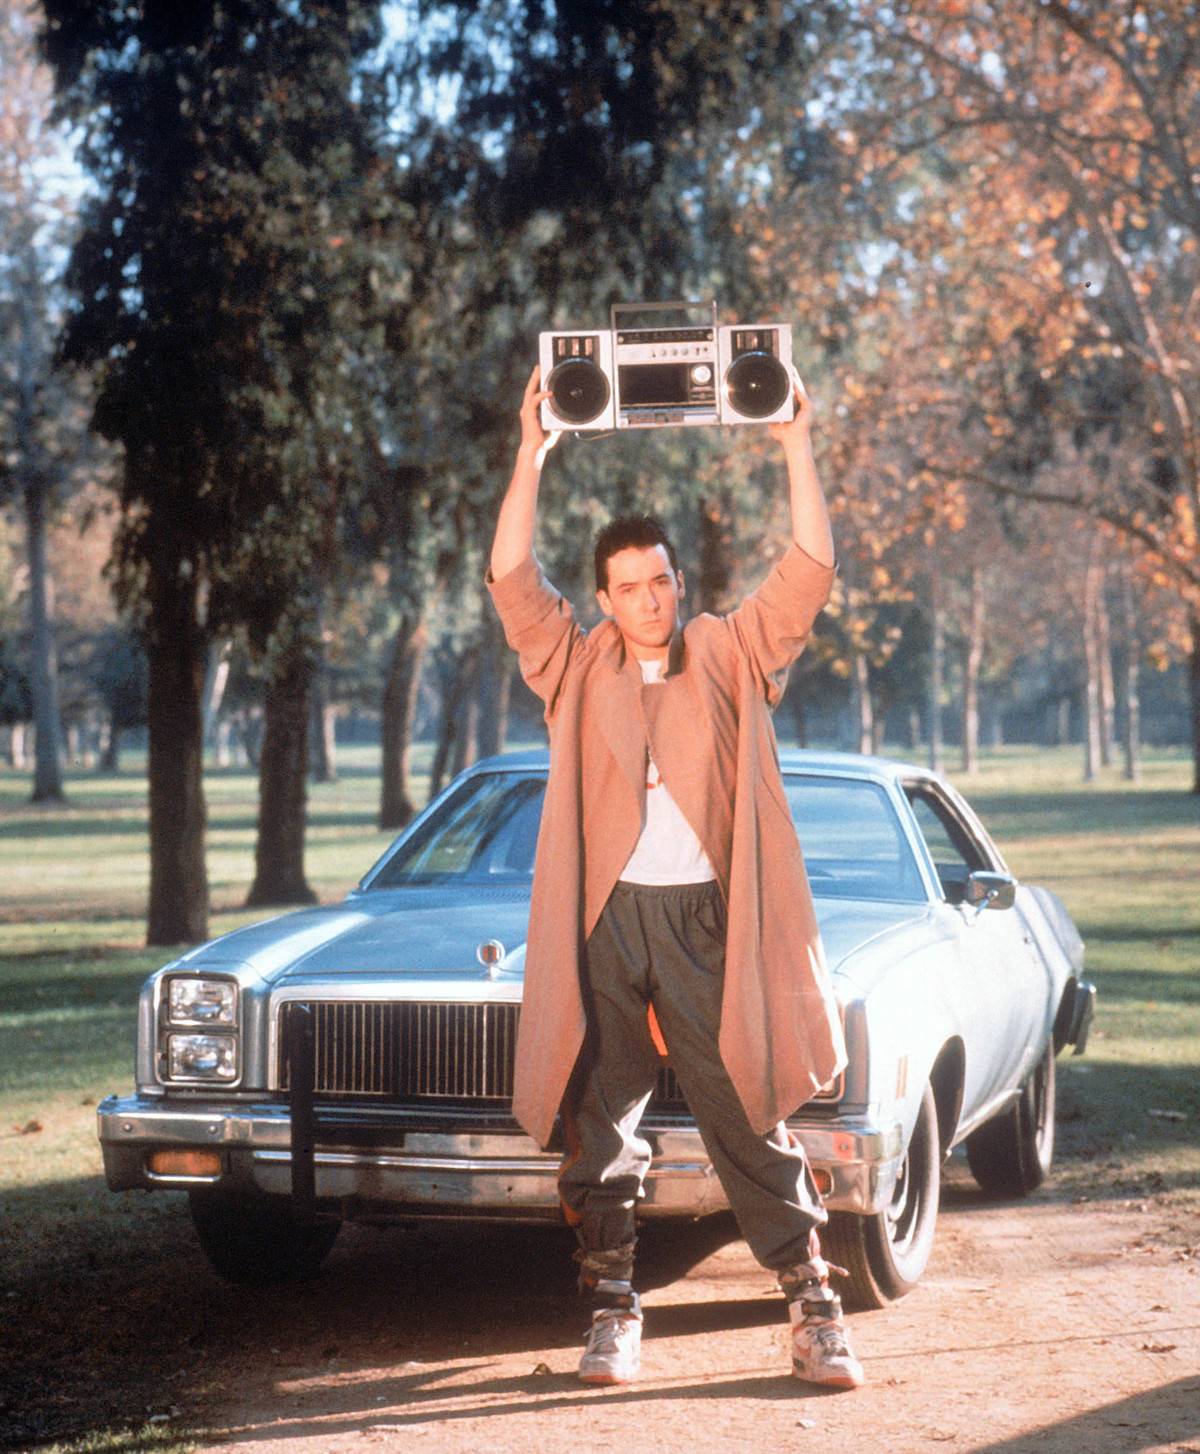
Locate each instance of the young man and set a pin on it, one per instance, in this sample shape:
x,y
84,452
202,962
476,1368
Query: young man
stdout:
x,y
668,877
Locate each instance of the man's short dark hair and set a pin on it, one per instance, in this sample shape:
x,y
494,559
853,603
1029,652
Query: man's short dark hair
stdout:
x,y
642,532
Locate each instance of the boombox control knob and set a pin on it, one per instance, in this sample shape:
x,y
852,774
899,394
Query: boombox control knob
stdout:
x,y
701,373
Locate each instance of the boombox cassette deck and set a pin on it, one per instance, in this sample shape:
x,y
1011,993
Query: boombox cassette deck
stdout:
x,y
642,375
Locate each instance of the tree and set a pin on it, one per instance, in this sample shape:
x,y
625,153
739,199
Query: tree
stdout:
x,y
218,280
1046,155
41,416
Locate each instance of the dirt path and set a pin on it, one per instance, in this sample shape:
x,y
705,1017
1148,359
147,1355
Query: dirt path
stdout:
x,y
1047,1327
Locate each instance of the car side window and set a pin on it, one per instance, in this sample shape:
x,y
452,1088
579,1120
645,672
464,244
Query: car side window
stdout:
x,y
950,846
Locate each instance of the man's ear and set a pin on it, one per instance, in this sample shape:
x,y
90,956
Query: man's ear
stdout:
x,y
679,578
605,604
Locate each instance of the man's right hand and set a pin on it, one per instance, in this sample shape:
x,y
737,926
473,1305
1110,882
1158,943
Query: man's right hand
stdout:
x,y
534,439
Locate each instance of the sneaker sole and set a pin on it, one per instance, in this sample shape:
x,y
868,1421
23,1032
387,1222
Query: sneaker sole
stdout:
x,y
844,1381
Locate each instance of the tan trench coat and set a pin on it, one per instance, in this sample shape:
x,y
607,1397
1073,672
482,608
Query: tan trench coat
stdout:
x,y
708,726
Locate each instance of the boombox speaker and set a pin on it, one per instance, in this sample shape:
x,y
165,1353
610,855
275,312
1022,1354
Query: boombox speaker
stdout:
x,y
640,374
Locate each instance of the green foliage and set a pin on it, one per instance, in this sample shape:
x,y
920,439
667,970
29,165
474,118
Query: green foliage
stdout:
x,y
233,260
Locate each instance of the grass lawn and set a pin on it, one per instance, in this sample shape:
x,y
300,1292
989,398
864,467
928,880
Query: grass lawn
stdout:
x,y
83,1269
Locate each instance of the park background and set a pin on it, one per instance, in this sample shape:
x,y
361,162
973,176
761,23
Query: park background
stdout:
x,y
271,279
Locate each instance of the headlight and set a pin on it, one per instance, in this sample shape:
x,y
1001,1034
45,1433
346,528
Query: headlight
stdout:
x,y
202,1057
201,1001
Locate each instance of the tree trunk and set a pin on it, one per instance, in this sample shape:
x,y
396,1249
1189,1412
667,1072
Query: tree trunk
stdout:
x,y
452,727
1106,689
178,909
937,673
16,746
1092,584
861,708
110,756
795,700
972,661
323,750
1131,704
411,641
716,558
47,761
466,733
1194,674
216,678
495,687
283,785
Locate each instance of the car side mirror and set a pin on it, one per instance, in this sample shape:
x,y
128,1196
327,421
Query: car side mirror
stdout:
x,y
986,890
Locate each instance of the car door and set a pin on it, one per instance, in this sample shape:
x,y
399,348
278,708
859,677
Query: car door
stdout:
x,y
1000,994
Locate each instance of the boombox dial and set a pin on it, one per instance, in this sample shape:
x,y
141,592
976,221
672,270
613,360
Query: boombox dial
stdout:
x,y
647,376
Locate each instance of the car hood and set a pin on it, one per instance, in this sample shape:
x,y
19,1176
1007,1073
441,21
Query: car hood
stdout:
x,y
424,932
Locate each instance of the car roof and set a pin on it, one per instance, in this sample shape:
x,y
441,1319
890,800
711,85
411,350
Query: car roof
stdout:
x,y
795,759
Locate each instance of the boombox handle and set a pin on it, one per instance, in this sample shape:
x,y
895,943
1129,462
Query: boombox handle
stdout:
x,y
681,307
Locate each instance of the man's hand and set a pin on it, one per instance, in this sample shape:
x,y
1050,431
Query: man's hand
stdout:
x,y
798,429
535,440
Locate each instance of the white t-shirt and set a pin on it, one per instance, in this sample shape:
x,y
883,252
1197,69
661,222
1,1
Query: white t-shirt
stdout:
x,y
668,852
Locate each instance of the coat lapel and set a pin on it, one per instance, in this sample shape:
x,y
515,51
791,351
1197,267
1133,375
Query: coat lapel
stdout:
x,y
619,711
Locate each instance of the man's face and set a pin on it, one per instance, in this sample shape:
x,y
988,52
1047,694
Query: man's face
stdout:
x,y
643,598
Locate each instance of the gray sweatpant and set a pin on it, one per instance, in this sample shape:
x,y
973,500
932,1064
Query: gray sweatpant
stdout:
x,y
666,947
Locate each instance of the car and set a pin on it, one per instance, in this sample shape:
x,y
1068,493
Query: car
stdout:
x,y
355,1060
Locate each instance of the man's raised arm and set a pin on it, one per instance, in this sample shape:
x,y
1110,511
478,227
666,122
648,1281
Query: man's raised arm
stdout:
x,y
810,518
513,541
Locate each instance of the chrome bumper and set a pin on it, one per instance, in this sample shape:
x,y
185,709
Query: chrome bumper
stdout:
x,y
424,1173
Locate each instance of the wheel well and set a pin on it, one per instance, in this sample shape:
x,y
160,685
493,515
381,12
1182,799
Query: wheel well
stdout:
x,y
946,1080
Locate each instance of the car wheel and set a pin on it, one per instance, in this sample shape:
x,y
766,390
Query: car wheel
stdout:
x,y
884,1255
258,1240
1010,1155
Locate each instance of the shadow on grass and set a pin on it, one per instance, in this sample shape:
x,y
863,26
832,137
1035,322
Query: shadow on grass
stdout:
x,y
1051,814
103,824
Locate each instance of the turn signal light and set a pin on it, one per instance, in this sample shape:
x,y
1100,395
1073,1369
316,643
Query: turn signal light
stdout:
x,y
184,1163
823,1179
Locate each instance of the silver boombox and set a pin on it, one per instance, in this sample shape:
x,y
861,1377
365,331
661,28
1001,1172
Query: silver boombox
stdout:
x,y
645,376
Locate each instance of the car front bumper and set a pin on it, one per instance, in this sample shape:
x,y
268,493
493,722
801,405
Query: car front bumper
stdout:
x,y
372,1162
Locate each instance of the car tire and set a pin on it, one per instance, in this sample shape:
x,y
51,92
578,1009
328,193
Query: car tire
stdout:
x,y
256,1241
1010,1155
884,1255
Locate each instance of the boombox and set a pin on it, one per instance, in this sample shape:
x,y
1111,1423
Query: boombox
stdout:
x,y
641,375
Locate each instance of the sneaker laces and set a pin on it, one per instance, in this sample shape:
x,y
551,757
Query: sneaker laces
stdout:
x,y
608,1327
829,1337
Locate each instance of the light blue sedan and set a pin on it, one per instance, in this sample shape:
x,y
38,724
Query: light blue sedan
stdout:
x,y
355,1060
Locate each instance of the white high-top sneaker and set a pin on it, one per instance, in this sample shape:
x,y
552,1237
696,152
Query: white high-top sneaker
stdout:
x,y
613,1351
821,1351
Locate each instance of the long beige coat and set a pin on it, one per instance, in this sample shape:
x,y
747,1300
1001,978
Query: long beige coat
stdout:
x,y
708,726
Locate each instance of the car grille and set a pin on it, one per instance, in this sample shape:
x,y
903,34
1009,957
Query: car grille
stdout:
x,y
402,1051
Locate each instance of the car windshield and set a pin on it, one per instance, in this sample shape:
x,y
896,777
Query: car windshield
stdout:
x,y
853,844
485,832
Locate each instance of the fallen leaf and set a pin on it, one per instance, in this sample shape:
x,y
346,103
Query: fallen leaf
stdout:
x,y
542,1370
1159,1347
30,1128
1167,1115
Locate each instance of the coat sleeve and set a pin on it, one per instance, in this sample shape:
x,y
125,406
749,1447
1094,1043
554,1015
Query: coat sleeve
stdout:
x,y
539,625
772,624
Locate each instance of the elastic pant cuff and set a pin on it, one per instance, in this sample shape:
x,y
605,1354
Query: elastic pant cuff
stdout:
x,y
612,1293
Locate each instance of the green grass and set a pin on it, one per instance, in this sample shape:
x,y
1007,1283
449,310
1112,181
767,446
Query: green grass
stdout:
x,y
89,1271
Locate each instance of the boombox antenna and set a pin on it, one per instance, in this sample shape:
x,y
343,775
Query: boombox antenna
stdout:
x,y
683,306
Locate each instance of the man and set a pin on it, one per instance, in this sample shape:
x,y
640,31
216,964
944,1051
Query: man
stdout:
x,y
669,897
